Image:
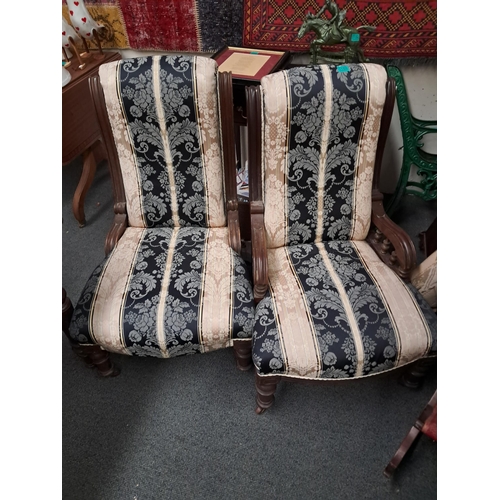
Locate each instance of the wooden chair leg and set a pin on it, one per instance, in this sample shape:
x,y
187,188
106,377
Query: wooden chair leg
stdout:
x,y
266,387
82,354
95,356
401,452
414,376
426,424
92,355
243,354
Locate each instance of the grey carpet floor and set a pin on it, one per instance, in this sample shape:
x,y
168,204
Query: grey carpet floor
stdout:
x,y
185,428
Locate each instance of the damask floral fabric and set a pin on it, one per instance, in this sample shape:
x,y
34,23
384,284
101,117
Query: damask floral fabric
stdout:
x,y
424,279
164,113
334,310
321,127
166,292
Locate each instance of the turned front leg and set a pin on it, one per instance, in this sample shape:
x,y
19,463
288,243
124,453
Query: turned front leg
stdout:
x,y
414,376
94,355
243,354
266,387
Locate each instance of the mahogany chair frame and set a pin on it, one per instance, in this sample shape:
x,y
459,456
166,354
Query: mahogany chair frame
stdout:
x,y
96,355
417,429
391,243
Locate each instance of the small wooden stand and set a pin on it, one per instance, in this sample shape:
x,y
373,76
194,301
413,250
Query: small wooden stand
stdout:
x,y
81,134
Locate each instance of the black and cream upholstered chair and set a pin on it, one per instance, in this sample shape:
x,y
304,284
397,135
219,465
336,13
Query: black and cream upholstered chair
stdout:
x,y
172,281
329,265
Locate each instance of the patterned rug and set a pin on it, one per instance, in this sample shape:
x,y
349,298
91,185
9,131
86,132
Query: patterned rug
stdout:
x,y
166,25
404,29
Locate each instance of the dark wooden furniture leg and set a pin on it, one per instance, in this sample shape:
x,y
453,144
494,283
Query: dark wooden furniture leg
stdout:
x,y
88,172
243,354
414,376
95,356
426,420
266,387
428,239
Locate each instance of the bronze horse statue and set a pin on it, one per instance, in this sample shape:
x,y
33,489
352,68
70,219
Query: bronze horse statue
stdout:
x,y
332,32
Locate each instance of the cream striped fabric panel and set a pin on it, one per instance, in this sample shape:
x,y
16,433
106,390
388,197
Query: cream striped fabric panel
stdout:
x,y
280,110
215,296
163,129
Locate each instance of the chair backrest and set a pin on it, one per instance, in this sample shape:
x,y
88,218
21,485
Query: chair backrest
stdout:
x,y
164,113
319,140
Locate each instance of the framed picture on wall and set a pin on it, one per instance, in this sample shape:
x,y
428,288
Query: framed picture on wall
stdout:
x,y
249,65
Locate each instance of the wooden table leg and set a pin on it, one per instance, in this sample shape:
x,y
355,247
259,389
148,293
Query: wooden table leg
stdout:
x,y
88,172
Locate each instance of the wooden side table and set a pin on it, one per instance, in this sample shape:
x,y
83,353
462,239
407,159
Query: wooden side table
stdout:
x,y
80,129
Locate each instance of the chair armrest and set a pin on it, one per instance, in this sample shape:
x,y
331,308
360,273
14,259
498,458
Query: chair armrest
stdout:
x,y
120,219
233,224
392,244
259,251
259,243
120,223
228,145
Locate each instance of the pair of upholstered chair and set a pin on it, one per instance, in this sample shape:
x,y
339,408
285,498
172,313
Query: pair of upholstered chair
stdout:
x,y
324,296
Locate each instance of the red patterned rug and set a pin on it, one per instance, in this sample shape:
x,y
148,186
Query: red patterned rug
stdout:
x,y
404,29
166,25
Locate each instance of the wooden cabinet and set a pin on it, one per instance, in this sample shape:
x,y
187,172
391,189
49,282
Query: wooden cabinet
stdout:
x,y
80,129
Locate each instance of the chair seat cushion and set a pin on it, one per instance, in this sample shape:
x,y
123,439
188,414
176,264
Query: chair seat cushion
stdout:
x,y
335,310
166,292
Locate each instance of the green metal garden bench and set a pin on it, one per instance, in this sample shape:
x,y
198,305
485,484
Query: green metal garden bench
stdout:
x,y
413,130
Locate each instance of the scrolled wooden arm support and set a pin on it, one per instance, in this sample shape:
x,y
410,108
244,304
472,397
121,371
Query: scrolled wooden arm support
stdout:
x,y
120,220
403,258
233,223
391,242
259,244
259,251
120,223
227,126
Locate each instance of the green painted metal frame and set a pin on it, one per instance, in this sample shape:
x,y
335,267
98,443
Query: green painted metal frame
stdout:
x,y
413,130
